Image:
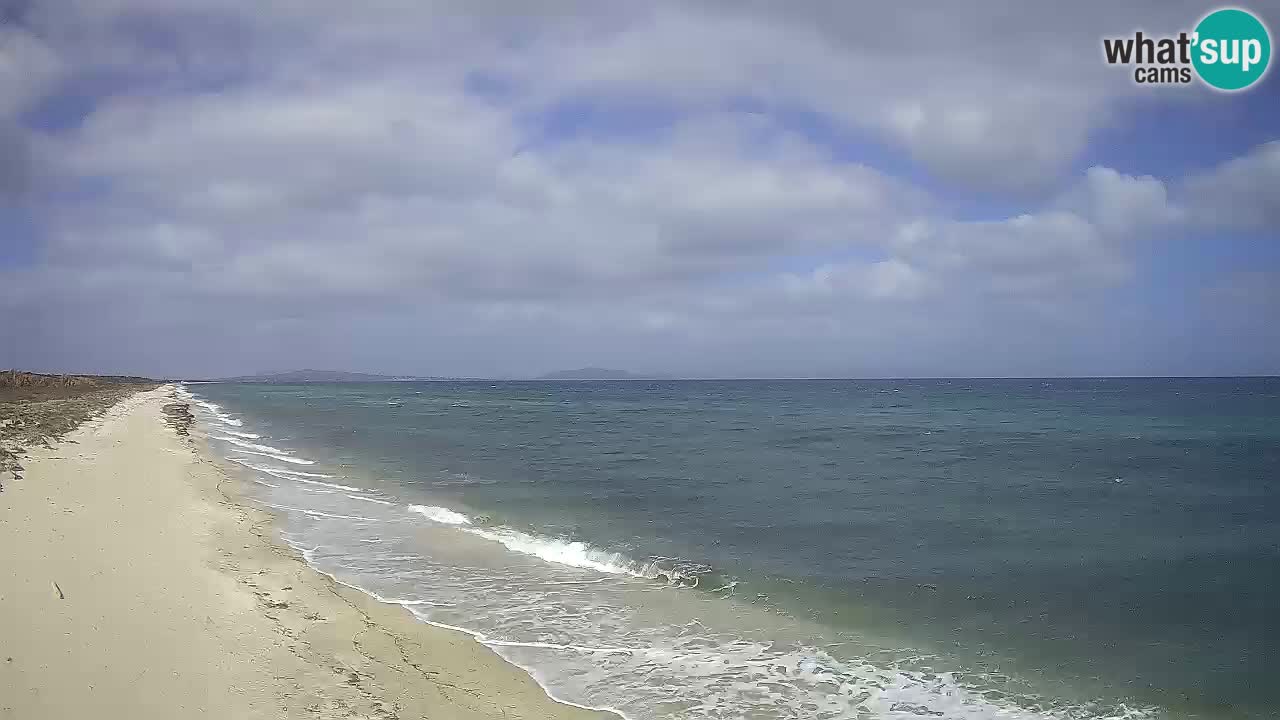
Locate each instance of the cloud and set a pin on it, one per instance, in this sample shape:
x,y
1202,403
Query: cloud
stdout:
x,y
28,69
1035,253
1081,242
883,280
684,186
1122,206
1241,193
958,92
383,189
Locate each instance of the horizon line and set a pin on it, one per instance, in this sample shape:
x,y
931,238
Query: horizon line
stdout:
x,y
639,377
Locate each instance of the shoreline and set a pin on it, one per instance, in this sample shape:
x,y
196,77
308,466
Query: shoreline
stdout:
x,y
141,583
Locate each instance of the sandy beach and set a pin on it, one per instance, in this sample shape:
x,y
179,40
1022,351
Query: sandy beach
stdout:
x,y
134,583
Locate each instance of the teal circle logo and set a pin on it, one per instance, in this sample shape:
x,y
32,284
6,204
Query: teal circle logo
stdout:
x,y
1232,49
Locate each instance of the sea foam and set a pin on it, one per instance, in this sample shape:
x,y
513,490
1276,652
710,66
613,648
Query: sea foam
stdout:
x,y
572,553
562,552
216,411
300,477
245,435
440,515
250,446
281,458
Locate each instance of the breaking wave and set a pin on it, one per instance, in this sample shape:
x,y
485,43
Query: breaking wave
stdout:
x,y
575,553
214,409
441,515
562,629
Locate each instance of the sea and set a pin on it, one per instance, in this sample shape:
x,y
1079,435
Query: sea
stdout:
x,y
1031,549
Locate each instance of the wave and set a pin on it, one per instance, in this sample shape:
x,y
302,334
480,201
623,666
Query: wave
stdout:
x,y
216,411
245,435
683,573
372,500
260,468
250,446
334,486
575,553
296,476
292,473
572,552
281,458
412,605
591,662
801,680
264,450
316,513
441,515
634,673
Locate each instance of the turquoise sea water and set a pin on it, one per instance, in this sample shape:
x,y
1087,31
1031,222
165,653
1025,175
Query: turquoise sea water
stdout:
x,y
1093,548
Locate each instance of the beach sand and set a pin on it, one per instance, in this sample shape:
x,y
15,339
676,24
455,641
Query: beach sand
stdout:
x,y
134,583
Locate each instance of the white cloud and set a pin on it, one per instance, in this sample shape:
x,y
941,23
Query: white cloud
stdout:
x,y
1122,206
425,190
1243,192
1043,253
992,97
883,280
316,177
996,97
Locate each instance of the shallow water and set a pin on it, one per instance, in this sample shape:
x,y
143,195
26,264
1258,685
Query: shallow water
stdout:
x,y
807,549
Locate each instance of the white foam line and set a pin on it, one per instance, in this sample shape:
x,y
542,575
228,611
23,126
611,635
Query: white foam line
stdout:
x,y
483,640
572,553
282,471
275,472
246,463
397,601
251,446
575,582
315,513
245,435
215,410
297,473
281,458
296,476
445,516
559,552
334,486
558,646
372,500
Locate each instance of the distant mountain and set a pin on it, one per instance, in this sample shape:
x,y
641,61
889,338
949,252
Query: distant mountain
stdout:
x,y
595,373
318,376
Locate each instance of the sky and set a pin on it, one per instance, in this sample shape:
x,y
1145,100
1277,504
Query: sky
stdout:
x,y
698,188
